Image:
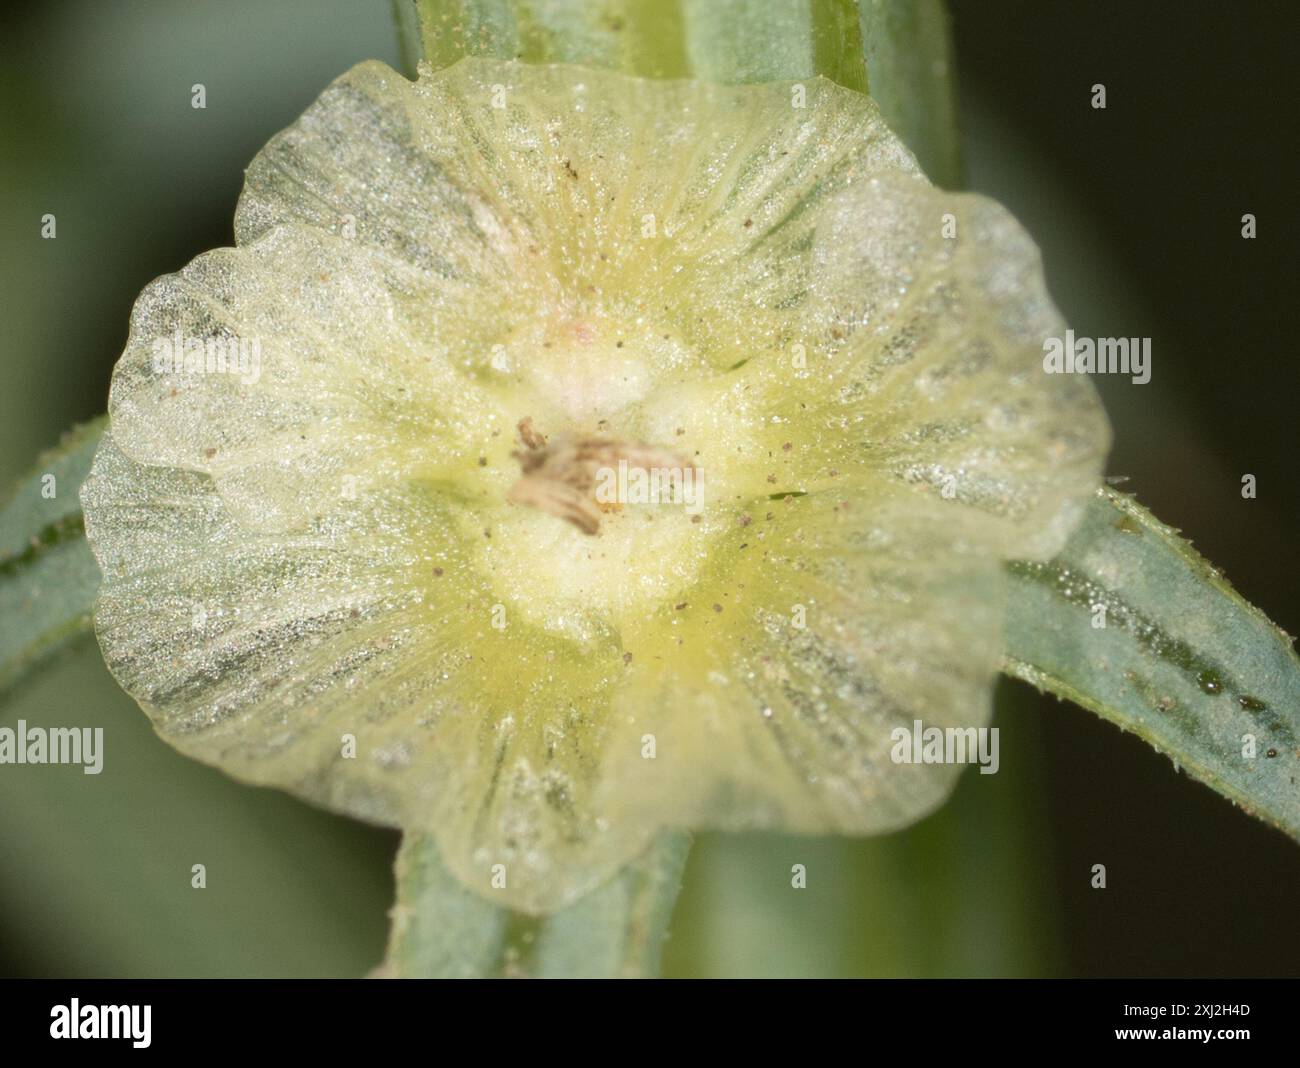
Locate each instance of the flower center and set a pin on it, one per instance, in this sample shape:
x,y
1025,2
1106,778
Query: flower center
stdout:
x,y
578,477
606,517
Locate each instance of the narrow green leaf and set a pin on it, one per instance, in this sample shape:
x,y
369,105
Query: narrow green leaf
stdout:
x,y
48,577
1181,660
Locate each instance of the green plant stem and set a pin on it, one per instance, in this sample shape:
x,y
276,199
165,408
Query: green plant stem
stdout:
x,y
728,41
442,930
898,50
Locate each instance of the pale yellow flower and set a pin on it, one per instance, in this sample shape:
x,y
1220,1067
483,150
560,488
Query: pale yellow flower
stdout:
x,y
459,298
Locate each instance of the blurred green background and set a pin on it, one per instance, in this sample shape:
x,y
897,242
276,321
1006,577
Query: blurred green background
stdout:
x,y
1137,209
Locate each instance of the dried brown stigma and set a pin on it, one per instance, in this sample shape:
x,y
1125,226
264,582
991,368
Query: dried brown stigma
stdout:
x,y
560,477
